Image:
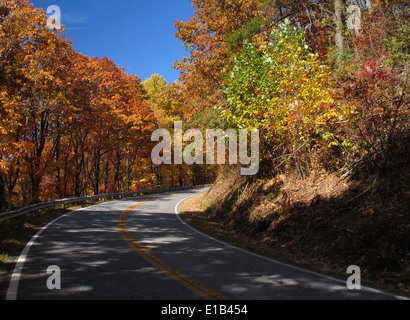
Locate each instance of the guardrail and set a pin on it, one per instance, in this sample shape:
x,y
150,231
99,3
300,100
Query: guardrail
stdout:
x,y
22,211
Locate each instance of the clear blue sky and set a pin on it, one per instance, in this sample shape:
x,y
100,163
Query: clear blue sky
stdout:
x,y
138,35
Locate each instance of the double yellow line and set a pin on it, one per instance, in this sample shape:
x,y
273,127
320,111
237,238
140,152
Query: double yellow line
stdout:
x,y
191,284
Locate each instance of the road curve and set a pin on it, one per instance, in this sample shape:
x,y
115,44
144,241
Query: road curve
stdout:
x,y
140,249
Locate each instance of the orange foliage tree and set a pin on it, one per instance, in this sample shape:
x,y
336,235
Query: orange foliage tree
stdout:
x,y
70,125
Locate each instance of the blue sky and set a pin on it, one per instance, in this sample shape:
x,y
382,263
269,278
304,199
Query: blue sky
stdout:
x,y
138,35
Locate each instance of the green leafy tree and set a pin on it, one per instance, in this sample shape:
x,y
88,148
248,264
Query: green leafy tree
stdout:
x,y
282,89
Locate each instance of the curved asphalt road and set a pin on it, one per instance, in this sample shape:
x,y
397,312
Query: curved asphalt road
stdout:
x,y
139,249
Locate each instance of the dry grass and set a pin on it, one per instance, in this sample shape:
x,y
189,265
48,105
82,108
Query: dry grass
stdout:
x,y
314,222
194,204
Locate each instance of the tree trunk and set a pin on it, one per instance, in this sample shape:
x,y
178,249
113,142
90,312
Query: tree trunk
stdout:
x,y
97,158
39,139
58,189
339,42
106,170
3,204
117,173
11,182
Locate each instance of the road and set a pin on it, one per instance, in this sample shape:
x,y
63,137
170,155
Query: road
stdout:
x,y
140,249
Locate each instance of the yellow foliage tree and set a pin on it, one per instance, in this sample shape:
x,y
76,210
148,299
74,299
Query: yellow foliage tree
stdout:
x,y
282,89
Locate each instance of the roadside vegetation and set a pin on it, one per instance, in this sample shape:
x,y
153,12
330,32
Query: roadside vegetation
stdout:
x,y
332,104
17,231
319,222
325,82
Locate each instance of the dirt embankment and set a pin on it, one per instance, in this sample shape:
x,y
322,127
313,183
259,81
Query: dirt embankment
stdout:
x,y
322,220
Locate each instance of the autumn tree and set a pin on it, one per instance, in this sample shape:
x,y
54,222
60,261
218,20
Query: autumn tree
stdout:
x,y
204,36
375,80
154,87
282,89
70,125
296,92
32,65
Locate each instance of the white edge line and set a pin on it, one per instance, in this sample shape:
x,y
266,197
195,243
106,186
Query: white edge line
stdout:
x,y
18,268
279,262
12,291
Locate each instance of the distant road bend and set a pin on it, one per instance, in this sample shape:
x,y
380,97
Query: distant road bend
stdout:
x,y
140,249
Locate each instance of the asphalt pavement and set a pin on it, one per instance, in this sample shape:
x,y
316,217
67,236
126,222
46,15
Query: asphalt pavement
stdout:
x,y
140,249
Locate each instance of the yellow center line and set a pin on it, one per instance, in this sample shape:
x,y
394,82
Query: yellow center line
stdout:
x,y
188,282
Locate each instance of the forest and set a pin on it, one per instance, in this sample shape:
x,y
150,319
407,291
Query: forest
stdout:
x,y
315,87
325,83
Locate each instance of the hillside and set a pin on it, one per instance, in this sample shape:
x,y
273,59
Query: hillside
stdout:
x,y
321,221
